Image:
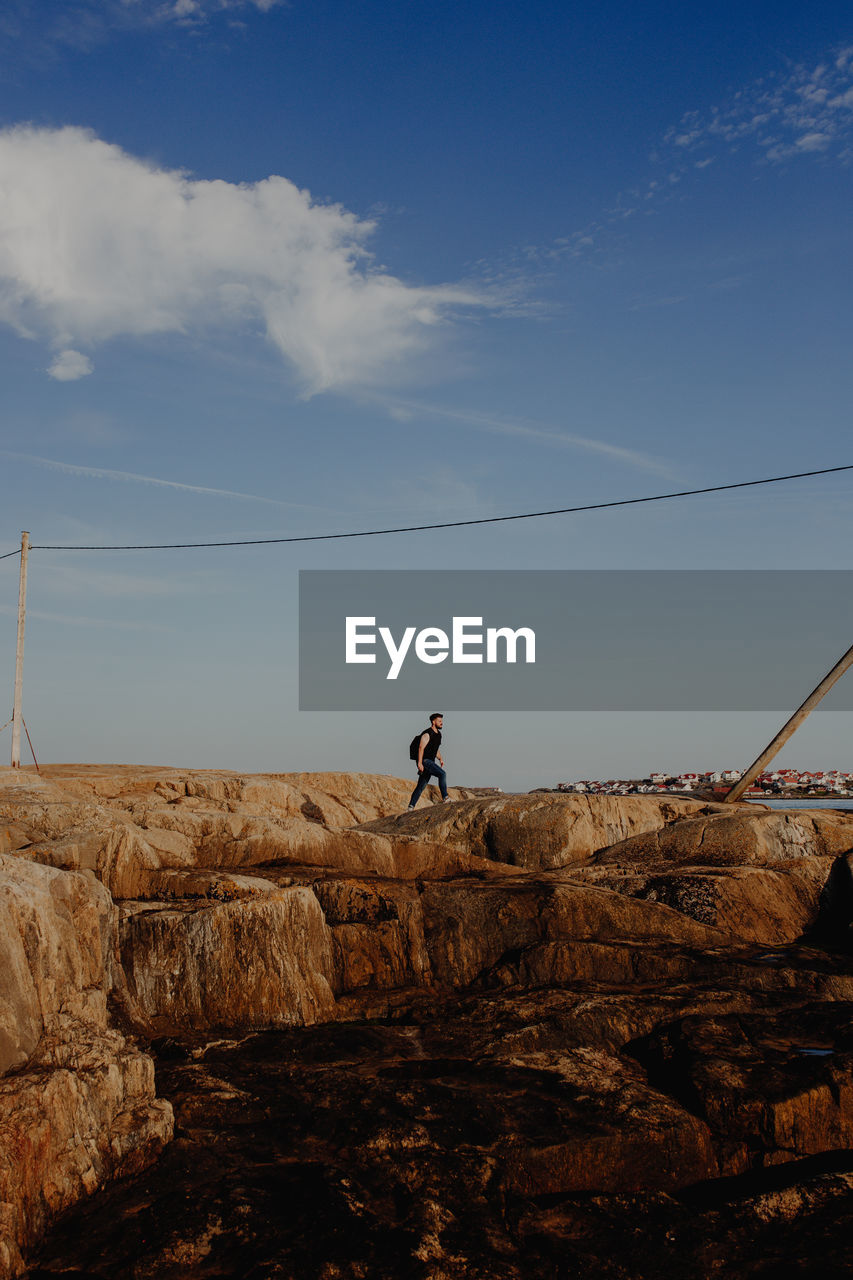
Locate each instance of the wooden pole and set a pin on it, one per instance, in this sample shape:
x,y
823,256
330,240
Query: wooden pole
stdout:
x,y
794,723
17,715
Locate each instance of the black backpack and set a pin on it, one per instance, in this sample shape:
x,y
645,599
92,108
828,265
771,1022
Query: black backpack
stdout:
x,y
415,744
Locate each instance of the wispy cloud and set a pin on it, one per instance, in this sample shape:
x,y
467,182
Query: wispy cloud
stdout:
x,y
131,477
64,575
669,300
435,493
96,244
81,620
803,112
42,31
405,410
91,427
806,111
199,10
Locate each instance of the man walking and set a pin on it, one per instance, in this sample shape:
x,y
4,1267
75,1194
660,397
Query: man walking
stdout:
x,y
430,762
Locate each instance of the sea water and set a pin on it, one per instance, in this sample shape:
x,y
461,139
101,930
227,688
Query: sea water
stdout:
x,y
816,802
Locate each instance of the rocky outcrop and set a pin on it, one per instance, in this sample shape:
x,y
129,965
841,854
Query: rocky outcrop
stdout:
x,y
485,1137
119,885
128,825
55,953
432,1035
739,1073
263,960
540,831
77,1100
759,878
718,837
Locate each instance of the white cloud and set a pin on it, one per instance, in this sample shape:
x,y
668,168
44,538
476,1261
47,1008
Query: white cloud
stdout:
x,y
60,578
41,32
194,10
70,365
813,142
81,620
803,112
133,477
532,431
96,244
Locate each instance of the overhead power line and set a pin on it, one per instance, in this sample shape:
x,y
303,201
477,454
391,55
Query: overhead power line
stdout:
x,y
444,524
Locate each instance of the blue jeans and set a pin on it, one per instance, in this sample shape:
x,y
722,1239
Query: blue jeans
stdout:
x,y
431,769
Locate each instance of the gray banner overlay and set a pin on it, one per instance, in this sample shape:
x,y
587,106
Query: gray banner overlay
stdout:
x,y
588,640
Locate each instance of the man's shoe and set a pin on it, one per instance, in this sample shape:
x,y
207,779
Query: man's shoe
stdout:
x,y
410,808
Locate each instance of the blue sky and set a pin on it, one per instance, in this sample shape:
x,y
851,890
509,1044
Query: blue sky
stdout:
x,y
273,269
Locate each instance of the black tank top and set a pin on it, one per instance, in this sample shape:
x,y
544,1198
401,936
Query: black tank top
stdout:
x,y
433,744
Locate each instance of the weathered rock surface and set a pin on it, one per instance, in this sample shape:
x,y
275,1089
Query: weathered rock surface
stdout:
x,y
128,826
77,1101
259,961
540,831
760,879
484,1039
719,838
55,950
467,1142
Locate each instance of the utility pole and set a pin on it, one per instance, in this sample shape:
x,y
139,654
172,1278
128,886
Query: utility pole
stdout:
x,y
17,715
794,723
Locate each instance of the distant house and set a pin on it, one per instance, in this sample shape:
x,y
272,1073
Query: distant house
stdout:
x,y
833,780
